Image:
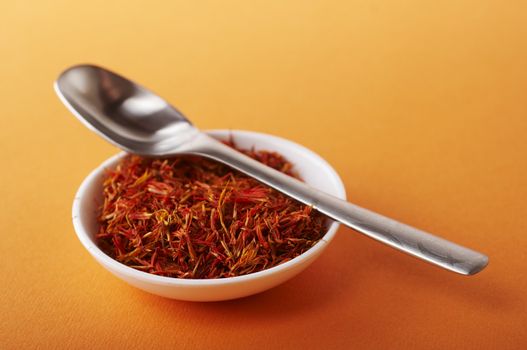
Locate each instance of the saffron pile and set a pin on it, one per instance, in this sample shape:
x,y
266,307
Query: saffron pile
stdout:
x,y
190,217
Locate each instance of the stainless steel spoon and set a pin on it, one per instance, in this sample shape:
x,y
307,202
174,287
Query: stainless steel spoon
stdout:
x,y
138,121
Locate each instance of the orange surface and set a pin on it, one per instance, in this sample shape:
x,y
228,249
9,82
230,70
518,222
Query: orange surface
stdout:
x,y
420,106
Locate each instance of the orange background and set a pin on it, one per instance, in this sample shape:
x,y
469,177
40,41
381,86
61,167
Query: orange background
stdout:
x,y
419,105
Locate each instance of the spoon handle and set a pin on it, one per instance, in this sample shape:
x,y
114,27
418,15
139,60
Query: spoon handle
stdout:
x,y
408,239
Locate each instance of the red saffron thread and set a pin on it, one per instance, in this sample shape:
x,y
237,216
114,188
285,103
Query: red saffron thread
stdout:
x,y
190,217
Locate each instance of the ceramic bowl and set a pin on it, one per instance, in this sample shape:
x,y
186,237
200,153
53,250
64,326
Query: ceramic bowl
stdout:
x,y
311,167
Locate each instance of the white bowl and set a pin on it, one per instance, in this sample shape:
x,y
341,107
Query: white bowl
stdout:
x,y
311,167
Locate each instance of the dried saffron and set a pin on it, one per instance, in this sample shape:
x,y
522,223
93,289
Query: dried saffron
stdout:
x,y
190,217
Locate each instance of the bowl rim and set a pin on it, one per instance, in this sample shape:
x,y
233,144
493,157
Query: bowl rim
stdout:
x,y
114,265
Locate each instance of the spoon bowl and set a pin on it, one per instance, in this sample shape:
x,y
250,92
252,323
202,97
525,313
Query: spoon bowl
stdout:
x,y
125,114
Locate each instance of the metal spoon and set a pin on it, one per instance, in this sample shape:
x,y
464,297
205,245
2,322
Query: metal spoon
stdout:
x,y
138,121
